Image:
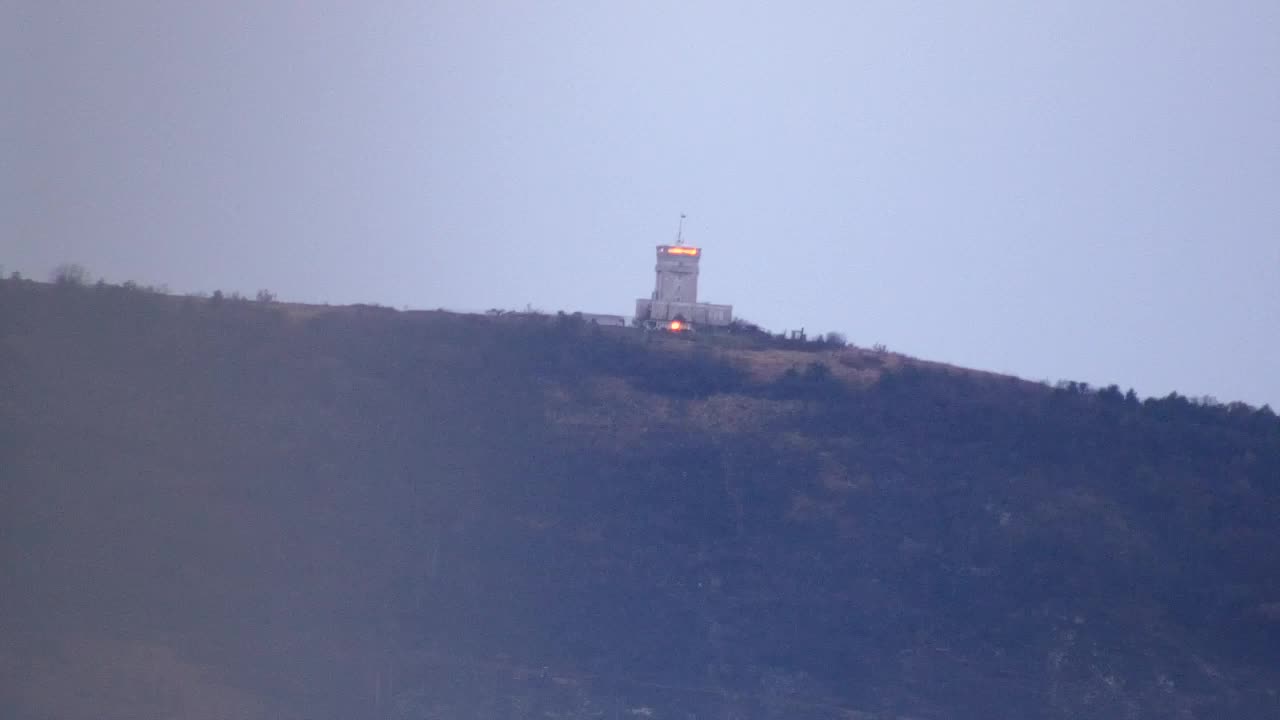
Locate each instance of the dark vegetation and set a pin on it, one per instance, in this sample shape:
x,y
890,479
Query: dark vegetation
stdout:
x,y
224,508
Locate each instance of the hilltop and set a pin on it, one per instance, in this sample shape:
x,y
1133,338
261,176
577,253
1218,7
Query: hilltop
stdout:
x,y
224,508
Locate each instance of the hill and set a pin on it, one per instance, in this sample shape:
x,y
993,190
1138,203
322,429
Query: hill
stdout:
x,y
225,509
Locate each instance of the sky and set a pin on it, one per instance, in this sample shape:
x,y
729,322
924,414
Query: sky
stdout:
x,y
1056,190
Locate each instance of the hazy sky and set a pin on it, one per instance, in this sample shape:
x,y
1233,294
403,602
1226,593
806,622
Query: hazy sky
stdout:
x,y
1083,190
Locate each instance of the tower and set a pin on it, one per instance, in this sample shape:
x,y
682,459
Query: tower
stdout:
x,y
677,274
674,303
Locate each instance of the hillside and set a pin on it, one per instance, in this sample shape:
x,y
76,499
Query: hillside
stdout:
x,y
256,510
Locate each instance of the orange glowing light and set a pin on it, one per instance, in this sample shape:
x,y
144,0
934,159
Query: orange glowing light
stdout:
x,y
682,251
676,326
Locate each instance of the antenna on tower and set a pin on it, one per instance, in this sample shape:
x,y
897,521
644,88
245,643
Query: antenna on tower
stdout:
x,y
680,231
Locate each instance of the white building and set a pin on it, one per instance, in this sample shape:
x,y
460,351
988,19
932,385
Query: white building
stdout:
x,y
675,294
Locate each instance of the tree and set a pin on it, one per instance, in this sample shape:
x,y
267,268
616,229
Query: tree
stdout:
x,y
266,296
70,274
1111,393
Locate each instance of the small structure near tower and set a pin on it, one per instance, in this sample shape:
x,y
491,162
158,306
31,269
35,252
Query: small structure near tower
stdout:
x,y
674,304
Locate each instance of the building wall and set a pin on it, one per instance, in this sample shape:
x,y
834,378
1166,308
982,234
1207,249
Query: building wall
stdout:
x,y
697,313
677,274
606,320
